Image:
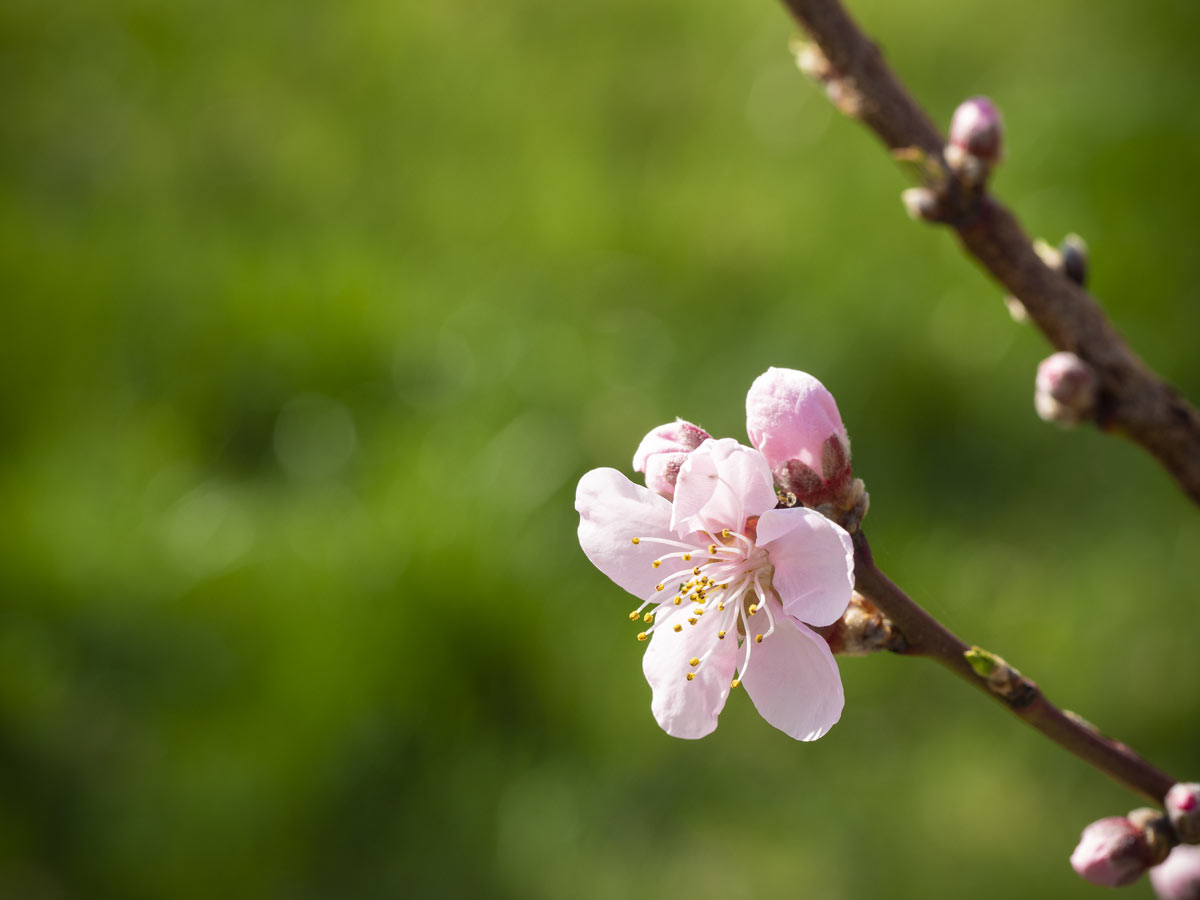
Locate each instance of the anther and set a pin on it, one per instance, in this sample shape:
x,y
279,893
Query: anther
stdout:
x,y
678,600
641,635
720,635
753,608
724,533
634,616
687,557
648,618
698,611
694,661
691,620
656,563
691,675
637,540
696,570
735,683
712,548
678,628
659,587
758,638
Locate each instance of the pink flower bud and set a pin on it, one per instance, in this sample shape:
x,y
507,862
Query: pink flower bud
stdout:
x,y
1111,852
1066,389
1183,808
1179,877
790,416
977,129
662,452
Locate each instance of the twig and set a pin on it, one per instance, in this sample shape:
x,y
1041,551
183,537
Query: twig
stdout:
x,y
1133,400
925,636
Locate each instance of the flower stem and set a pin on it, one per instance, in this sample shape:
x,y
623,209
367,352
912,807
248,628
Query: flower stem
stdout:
x,y
926,636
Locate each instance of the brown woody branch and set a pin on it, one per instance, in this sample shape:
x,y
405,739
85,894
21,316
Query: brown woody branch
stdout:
x,y
1133,400
922,635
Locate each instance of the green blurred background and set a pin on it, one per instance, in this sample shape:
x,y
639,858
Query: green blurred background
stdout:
x,y
314,315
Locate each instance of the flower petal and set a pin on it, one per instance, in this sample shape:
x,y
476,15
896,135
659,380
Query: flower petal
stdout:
x,y
612,511
792,678
814,563
688,709
720,485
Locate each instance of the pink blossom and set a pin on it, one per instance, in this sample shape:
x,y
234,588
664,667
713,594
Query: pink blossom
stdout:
x,y
1179,877
726,583
790,416
1111,852
662,452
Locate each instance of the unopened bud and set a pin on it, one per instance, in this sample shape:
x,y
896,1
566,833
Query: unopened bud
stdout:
x,y
811,61
1179,877
921,204
1183,808
977,129
791,416
1074,253
1065,390
662,452
1111,852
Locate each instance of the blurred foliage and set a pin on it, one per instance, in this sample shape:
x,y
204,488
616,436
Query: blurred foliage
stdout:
x,y
315,314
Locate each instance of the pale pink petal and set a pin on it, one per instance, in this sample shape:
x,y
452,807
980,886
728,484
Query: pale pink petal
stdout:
x,y
1179,877
789,415
720,485
612,511
688,709
792,677
814,563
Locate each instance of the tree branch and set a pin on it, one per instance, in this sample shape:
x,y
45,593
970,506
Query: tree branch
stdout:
x,y
1133,400
925,636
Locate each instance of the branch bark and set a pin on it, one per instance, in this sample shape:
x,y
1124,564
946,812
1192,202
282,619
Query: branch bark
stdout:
x,y
925,636
1134,401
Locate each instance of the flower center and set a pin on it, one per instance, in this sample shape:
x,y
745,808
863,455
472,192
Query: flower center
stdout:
x,y
729,577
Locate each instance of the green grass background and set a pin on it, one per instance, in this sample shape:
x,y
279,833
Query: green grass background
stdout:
x,y
314,315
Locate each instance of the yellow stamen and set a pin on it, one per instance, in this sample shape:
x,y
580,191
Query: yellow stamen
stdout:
x,y
691,621
720,635
735,683
691,675
696,571
641,635
648,618
634,616
753,608
659,587
712,548
656,563
687,557
694,661
724,533
678,628
758,639
637,540
678,600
